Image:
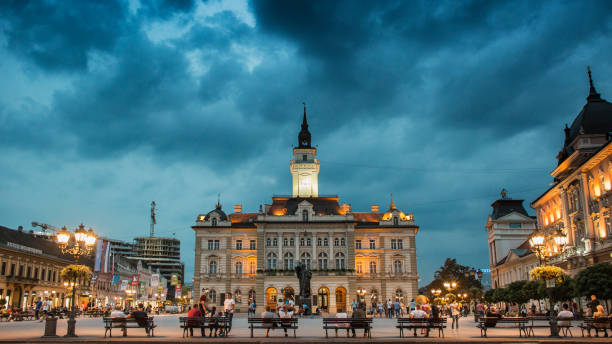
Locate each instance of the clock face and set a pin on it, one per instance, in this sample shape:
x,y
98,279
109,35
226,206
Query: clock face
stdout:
x,y
304,142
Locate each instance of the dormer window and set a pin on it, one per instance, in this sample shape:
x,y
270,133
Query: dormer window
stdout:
x,y
395,221
305,215
214,222
304,157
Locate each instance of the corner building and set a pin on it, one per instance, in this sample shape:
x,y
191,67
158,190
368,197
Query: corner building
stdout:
x,y
352,255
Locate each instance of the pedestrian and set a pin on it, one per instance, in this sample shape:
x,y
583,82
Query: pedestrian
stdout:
x,y
412,304
396,308
454,311
37,307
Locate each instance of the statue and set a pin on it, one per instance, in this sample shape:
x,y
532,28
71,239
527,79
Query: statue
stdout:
x,y
303,275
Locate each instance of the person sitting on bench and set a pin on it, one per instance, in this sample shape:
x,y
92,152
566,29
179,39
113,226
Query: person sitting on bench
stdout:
x,y
492,313
565,316
285,313
359,313
140,316
118,313
342,315
193,319
419,313
214,321
267,315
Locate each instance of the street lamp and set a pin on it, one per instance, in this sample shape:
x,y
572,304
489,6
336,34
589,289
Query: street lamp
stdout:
x,y
82,244
450,285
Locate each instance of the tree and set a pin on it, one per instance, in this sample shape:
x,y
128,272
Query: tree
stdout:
x,y
500,295
564,291
475,293
488,296
516,292
595,280
535,290
452,271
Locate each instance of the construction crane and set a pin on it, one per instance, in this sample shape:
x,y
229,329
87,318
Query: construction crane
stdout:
x,y
45,227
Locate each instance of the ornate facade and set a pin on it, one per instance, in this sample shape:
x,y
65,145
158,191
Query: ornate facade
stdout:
x,y
352,255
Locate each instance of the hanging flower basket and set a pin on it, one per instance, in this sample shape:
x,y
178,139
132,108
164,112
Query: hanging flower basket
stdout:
x,y
547,272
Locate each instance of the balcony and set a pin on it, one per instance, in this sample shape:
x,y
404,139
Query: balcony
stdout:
x,y
22,279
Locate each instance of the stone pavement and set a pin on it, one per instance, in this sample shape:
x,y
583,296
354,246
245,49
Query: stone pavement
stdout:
x,y
92,330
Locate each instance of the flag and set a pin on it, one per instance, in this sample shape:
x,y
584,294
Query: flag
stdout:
x,y
135,279
116,278
124,285
102,261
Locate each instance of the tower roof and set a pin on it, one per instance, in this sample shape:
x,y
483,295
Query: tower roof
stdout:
x,y
304,137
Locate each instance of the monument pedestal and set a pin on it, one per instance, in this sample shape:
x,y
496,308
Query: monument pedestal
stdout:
x,y
305,301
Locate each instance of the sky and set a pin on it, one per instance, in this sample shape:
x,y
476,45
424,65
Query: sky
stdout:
x,y
106,106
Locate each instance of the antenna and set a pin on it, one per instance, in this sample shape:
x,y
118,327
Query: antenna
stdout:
x,y
153,221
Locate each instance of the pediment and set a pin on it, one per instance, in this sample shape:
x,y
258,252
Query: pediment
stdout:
x,y
515,216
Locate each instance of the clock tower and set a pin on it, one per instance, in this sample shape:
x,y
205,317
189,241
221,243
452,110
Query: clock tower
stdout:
x,y
304,165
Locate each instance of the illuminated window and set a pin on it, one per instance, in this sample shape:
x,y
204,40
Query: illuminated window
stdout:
x,y
359,268
372,267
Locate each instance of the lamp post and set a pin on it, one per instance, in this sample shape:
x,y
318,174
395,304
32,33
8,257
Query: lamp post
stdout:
x,y
82,243
361,293
540,242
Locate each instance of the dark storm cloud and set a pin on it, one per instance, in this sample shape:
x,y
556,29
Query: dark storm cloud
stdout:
x,y
428,100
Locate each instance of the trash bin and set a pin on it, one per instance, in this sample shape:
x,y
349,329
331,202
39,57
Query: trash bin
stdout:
x,y
50,327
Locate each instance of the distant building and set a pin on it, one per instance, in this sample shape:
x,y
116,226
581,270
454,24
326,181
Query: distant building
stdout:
x,y
352,255
163,254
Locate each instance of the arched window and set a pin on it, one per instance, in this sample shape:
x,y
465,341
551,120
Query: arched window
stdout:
x,y
325,242
275,242
319,242
340,261
214,222
292,242
212,267
237,296
268,242
342,242
359,268
238,267
302,242
305,259
305,215
322,260
309,242
336,242
395,221
397,266
271,261
252,269
212,295
399,295
288,257
372,267
285,242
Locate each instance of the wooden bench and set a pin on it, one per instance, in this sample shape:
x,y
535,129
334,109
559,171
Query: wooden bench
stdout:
x,y
492,322
597,324
347,324
564,330
221,323
273,323
423,323
125,323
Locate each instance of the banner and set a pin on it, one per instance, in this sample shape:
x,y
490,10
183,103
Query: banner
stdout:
x,y
174,280
116,278
154,280
124,285
143,286
135,279
102,261
177,291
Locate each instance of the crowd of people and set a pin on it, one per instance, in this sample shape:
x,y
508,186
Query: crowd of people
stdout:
x,y
203,309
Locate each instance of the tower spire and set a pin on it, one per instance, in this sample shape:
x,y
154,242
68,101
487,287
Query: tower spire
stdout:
x,y
593,95
304,135
392,205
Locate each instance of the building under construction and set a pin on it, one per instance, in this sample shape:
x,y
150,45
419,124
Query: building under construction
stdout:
x,y
160,253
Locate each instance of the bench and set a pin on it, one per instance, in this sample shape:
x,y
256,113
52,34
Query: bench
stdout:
x,y
492,322
597,324
564,330
125,323
426,323
221,323
347,324
273,323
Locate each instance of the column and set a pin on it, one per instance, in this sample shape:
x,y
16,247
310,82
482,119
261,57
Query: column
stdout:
x,y
314,250
331,261
297,248
586,211
566,221
280,251
259,279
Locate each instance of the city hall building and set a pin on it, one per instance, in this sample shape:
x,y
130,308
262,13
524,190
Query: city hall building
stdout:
x,y
352,255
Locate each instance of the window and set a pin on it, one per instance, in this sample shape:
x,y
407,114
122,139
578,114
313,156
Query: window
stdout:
x,y
212,295
20,270
400,244
302,241
268,242
252,245
308,242
252,267
216,247
393,244
42,275
214,222
275,242
288,261
292,242
29,273
359,268
336,242
305,259
358,244
305,215
319,242
372,267
3,270
304,156
342,242
13,270
397,266
285,242
396,244
213,244
372,244
325,242
322,260
271,261
395,221
36,275
515,225
212,267
340,261
239,244
239,267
